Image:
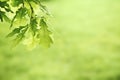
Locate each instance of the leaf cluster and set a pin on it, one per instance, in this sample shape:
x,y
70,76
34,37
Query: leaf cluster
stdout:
x,y
28,21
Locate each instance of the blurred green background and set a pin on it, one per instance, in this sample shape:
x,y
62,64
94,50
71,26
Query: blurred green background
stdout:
x,y
86,44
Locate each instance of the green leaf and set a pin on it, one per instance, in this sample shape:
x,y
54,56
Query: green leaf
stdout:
x,y
33,26
5,5
16,3
3,16
27,6
20,17
15,31
21,13
44,9
6,18
44,34
18,39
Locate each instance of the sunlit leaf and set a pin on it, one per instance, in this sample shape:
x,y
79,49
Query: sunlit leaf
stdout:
x,y
44,34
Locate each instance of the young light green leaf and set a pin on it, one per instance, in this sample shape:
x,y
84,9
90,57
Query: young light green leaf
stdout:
x,y
20,17
44,34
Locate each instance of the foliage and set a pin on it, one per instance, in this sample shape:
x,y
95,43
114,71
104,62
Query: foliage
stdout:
x,y
28,21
